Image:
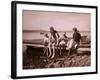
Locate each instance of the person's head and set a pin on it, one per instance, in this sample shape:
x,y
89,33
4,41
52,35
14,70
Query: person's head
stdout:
x,y
75,29
64,35
46,35
51,29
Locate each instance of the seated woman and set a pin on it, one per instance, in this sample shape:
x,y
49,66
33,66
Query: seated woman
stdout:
x,y
54,40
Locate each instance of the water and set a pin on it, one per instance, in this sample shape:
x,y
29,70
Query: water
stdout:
x,y
30,35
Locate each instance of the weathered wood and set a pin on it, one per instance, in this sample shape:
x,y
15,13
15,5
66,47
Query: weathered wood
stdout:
x,y
41,46
81,47
84,49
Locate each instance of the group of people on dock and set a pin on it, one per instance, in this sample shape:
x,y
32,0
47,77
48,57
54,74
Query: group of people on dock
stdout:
x,y
54,41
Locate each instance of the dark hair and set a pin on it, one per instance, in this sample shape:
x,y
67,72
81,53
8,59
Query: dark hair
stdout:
x,y
75,29
46,35
52,28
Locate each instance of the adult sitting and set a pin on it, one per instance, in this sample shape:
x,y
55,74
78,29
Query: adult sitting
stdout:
x,y
75,41
54,40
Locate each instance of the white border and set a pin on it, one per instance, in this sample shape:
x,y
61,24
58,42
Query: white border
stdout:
x,y
32,72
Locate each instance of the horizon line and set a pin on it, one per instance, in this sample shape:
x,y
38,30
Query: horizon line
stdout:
x,y
48,30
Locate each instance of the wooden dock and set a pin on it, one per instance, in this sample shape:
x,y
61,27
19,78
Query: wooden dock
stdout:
x,y
84,48
38,43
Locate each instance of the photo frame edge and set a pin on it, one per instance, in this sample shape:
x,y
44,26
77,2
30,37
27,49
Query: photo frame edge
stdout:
x,y
14,37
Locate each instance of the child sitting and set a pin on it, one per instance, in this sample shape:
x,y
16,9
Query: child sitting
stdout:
x,y
63,42
46,42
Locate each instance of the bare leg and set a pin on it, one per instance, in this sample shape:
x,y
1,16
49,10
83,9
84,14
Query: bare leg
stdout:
x,y
53,55
50,50
69,46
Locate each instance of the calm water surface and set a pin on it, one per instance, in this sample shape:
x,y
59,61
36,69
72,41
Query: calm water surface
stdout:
x,y
36,35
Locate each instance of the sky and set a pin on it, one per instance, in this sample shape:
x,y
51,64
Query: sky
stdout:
x,y
61,21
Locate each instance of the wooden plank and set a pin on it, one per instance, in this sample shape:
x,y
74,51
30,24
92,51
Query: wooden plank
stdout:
x,y
42,46
36,45
84,49
85,46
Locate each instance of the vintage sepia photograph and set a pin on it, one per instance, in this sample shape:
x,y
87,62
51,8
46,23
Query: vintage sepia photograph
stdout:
x,y
53,39
56,39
